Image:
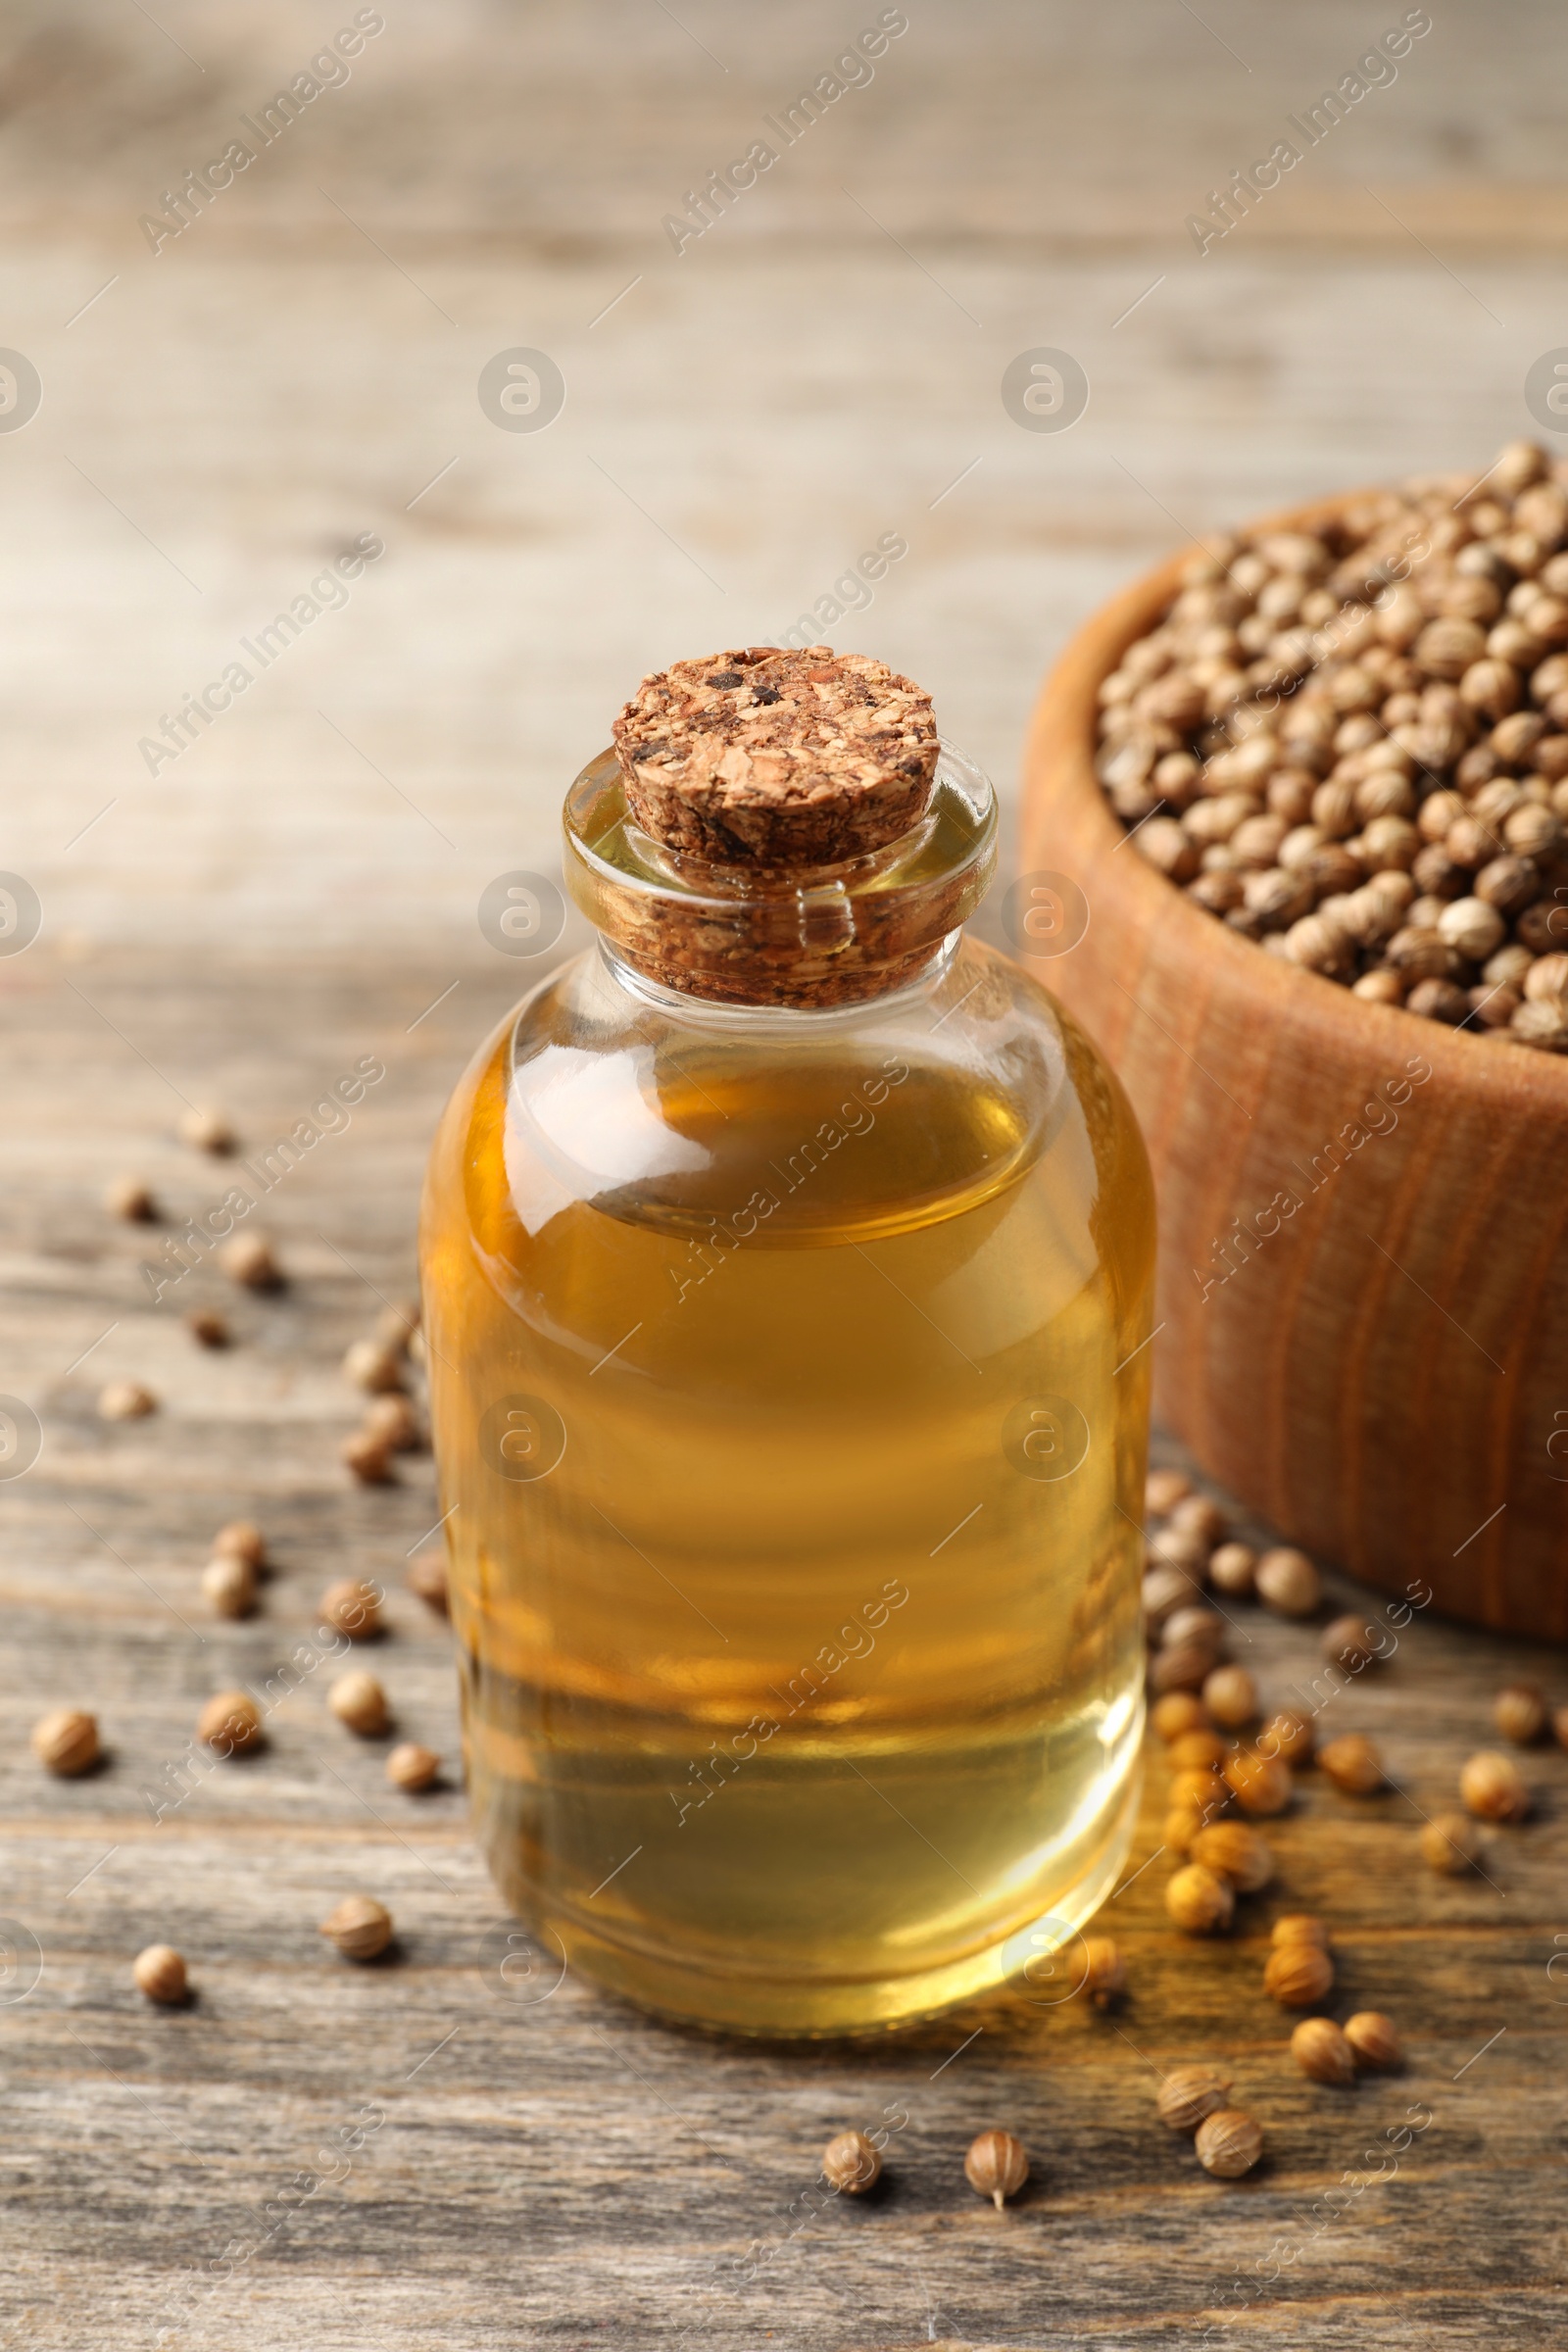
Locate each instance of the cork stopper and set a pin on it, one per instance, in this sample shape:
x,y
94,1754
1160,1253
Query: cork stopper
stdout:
x,y
765,756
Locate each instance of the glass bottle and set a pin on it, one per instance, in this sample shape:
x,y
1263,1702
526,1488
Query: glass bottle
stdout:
x,y
787,1264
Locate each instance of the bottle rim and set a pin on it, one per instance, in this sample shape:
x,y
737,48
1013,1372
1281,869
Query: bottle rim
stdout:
x,y
796,936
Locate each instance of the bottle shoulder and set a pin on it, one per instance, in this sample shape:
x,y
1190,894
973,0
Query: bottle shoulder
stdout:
x,y
871,1119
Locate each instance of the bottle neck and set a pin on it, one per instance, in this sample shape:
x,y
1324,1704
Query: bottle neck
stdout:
x,y
797,939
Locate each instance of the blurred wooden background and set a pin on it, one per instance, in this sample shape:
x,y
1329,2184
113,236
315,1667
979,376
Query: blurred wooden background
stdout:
x,y
218,420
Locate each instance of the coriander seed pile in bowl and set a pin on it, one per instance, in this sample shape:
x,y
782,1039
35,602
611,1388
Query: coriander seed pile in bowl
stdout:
x,y
1350,744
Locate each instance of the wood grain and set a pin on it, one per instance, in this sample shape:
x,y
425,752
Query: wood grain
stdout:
x,y
1382,1373
559,2170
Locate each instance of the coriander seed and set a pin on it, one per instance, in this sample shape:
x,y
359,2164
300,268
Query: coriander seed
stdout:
x,y
1173,1716
368,1457
1493,1787
851,2164
397,1324
1195,1515
231,1723
1350,1641
1104,1972
1296,1975
1298,1926
1233,1851
427,1578
370,1365
1322,2051
244,1540
159,1973
1229,2143
1373,2039
1198,1902
66,1742
1198,1751
358,1700
1290,1735
247,1260
128,1198
1353,1764
392,1421
1163,1490
207,1329
1260,1783
354,1607
204,1129
1232,1568
1231,1696
1452,1844
359,1927
412,1768
1288,1583
1189,2093
1519,1712
996,2166
126,1400
229,1586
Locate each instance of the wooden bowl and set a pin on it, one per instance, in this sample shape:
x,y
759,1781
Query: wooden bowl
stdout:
x,y
1376,1359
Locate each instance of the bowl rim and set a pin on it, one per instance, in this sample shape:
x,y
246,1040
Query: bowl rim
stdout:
x,y
1059,761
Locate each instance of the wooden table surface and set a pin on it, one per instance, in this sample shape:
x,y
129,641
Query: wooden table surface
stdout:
x,y
298,890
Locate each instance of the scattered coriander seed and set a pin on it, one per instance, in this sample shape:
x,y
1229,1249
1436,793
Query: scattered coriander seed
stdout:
x,y
1229,2143
1352,1763
1452,1844
1351,1643
159,1973
416,1348
126,1400
207,1329
1163,1490
1296,1975
358,1699
228,1583
1373,2039
1298,1926
1184,1668
1322,2051
1166,1589
1204,1789
1199,1902
1519,1712
1231,1696
66,1742
1559,1726
128,1198
354,1607
1198,1751
205,1129
371,1366
243,1540
359,1927
1181,1825
1104,1971
1232,1568
396,1325
1290,1735
1195,1624
231,1723
428,1577
1189,2093
1260,1783
997,2166
247,1260
1195,1515
1179,1548
368,1457
412,1768
1287,1582
1233,1851
1493,1787
392,1421
1174,1715
851,2164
